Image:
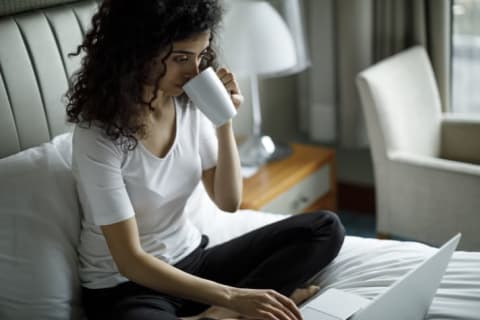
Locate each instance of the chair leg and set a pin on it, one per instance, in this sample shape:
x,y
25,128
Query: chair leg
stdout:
x,y
384,236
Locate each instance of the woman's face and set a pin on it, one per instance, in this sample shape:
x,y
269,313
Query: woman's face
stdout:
x,y
183,63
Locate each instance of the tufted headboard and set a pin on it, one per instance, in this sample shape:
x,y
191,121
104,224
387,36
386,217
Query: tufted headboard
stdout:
x,y
35,68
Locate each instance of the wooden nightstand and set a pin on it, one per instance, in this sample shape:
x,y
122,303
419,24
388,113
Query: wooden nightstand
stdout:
x,y
305,181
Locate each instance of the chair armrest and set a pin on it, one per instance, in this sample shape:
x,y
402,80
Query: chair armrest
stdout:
x,y
432,198
460,137
435,164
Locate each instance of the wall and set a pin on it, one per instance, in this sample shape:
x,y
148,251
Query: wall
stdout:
x,y
278,98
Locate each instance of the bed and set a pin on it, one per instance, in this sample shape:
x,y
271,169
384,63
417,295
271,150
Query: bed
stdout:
x,y
39,211
368,266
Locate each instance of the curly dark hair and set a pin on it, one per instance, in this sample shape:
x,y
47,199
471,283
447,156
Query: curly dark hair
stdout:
x,y
120,50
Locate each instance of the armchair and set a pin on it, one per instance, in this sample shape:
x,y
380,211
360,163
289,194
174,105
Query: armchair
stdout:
x,y
426,163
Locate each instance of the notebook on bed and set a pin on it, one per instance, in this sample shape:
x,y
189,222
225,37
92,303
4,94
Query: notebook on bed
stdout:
x,y
408,298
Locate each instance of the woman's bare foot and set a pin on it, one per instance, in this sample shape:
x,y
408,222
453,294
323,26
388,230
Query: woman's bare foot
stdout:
x,y
215,313
302,294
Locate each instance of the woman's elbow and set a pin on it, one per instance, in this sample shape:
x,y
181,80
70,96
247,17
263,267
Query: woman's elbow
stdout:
x,y
128,265
125,269
230,209
229,206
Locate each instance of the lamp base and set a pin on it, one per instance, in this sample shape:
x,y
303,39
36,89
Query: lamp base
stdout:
x,y
258,150
282,150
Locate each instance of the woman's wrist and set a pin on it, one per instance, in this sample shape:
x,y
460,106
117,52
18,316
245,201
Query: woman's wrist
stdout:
x,y
226,126
225,132
227,296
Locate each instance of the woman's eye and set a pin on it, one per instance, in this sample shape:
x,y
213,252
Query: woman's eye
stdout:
x,y
180,59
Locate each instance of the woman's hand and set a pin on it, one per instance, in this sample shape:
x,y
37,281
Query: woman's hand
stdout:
x,y
264,304
231,85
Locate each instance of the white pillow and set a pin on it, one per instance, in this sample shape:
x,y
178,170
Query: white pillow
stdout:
x,y
40,226
39,231
221,226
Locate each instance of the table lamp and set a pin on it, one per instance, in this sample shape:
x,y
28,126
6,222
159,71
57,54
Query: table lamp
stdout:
x,y
256,41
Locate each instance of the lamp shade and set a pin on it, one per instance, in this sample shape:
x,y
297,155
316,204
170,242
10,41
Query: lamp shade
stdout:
x,y
256,40
292,11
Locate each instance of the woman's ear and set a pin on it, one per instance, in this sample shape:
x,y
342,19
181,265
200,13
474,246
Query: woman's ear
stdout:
x,y
153,70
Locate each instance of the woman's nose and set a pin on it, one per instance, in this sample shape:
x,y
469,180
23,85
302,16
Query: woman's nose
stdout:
x,y
193,71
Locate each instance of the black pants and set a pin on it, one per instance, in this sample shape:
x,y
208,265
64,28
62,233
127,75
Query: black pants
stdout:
x,y
280,256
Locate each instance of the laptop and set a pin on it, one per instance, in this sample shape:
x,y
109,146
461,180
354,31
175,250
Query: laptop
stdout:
x,y
409,298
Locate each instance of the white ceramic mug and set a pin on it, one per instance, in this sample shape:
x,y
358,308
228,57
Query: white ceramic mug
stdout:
x,y
208,93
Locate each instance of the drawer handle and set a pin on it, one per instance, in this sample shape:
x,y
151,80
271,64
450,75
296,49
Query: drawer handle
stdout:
x,y
299,203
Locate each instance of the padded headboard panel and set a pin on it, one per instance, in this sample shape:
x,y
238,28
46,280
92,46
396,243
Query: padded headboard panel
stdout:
x,y
34,72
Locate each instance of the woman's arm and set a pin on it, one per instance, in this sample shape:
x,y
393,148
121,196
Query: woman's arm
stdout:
x,y
224,182
142,268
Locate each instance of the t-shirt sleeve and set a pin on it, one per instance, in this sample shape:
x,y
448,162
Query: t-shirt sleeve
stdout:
x,y
208,143
96,167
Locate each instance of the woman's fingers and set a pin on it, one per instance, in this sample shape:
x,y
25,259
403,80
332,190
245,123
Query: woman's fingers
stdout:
x,y
288,304
265,305
230,83
268,315
280,311
221,72
290,313
274,304
228,80
237,100
226,76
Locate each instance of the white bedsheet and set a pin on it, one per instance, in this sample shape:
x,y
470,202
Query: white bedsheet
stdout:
x,y
369,266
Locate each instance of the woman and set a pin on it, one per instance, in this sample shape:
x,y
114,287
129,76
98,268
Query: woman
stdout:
x,y
139,150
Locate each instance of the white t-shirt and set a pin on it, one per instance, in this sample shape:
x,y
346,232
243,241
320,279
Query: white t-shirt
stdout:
x,y
114,185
